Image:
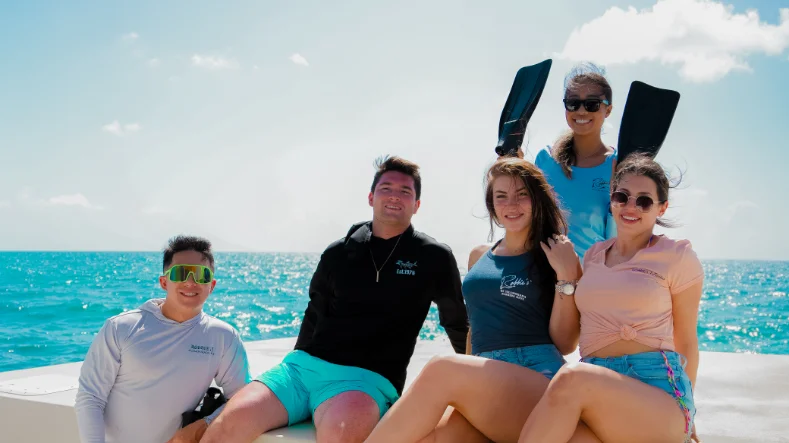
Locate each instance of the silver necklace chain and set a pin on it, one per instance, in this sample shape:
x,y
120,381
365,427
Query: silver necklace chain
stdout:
x,y
378,270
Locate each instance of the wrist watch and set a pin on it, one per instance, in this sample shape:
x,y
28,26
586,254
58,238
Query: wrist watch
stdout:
x,y
566,287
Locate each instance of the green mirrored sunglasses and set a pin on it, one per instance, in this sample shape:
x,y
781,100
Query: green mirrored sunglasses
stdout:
x,y
180,273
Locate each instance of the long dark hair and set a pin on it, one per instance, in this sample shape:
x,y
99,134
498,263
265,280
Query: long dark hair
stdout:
x,y
546,216
582,75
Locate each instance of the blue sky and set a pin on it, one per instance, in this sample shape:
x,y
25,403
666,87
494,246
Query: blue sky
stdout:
x,y
256,125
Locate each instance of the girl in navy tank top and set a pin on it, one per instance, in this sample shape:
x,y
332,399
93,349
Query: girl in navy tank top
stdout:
x,y
520,306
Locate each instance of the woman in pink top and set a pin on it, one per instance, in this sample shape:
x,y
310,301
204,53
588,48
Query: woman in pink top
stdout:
x,y
638,301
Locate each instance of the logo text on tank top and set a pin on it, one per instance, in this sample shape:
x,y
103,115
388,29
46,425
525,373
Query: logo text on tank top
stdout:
x,y
509,282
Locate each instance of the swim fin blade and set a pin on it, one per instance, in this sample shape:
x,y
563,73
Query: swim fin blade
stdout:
x,y
520,105
646,119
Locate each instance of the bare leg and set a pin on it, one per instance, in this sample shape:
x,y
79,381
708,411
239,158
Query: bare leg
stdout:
x,y
252,411
454,428
616,407
495,397
346,418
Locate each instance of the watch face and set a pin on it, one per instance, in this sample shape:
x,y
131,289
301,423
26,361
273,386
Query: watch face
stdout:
x,y
568,289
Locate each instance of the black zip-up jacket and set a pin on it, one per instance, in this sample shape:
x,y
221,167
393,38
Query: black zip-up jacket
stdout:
x,y
353,320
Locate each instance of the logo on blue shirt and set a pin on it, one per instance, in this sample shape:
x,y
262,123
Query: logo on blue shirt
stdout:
x,y
600,184
511,281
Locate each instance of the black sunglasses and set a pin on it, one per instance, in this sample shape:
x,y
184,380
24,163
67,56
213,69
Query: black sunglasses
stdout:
x,y
643,202
590,104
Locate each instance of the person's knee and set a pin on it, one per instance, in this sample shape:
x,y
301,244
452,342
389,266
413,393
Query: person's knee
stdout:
x,y
439,370
246,401
566,383
440,364
349,417
253,410
346,431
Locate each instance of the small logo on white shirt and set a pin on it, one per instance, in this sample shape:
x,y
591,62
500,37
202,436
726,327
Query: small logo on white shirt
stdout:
x,y
208,350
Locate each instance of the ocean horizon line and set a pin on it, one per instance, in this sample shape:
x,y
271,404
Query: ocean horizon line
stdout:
x,y
223,251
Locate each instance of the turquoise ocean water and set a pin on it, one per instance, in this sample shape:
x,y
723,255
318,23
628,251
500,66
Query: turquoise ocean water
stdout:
x,y
52,303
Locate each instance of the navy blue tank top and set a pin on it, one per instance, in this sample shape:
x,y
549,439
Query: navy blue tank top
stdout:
x,y
502,296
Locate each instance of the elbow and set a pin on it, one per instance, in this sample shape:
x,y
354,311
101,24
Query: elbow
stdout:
x,y
566,345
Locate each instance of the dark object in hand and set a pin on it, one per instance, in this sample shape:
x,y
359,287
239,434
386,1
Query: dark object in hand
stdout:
x,y
212,400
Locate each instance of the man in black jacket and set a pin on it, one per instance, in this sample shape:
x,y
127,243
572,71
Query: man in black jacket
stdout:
x,y
369,298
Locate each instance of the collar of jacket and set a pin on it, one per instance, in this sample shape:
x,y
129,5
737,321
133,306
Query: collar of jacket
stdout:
x,y
359,236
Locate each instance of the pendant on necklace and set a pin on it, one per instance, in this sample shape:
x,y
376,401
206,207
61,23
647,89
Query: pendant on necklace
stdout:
x,y
376,276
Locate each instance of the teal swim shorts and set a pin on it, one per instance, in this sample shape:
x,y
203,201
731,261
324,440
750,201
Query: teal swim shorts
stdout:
x,y
302,382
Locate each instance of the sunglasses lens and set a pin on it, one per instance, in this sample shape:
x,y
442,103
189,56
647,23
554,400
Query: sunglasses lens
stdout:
x,y
592,105
618,198
572,105
644,203
205,276
177,274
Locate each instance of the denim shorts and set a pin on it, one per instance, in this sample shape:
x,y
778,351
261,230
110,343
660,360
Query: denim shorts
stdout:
x,y
545,359
663,369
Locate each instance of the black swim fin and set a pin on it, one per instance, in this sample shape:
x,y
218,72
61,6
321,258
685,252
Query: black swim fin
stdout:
x,y
646,119
519,107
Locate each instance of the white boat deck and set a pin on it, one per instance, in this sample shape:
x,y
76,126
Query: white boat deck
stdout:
x,y
739,397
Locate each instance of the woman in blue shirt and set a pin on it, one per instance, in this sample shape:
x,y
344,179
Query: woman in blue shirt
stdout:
x,y
579,166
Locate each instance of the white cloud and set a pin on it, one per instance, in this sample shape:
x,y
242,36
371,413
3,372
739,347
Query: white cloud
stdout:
x,y
213,62
113,128
738,207
131,37
703,38
116,128
72,200
132,127
154,62
4,204
299,60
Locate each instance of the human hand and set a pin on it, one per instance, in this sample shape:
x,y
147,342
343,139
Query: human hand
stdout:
x,y
191,433
562,257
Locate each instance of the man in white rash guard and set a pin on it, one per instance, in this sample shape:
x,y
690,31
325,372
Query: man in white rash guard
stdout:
x,y
148,366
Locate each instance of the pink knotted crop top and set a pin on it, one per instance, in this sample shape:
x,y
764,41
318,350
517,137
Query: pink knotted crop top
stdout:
x,y
632,300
